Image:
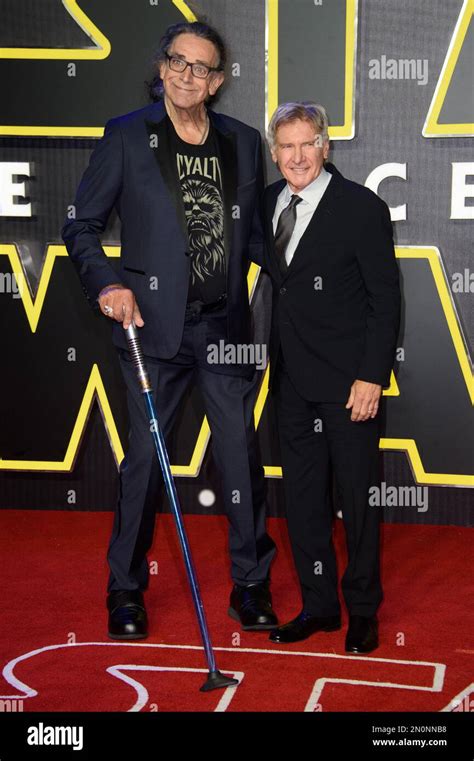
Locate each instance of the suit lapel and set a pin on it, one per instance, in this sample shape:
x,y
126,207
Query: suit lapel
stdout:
x,y
315,230
227,153
164,156
271,197
321,219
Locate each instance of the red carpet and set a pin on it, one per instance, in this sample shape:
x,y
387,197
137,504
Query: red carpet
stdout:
x,y
55,654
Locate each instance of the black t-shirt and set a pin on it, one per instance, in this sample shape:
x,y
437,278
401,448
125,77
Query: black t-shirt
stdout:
x,y
199,173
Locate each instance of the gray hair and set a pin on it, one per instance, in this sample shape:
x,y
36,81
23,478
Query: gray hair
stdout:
x,y
306,111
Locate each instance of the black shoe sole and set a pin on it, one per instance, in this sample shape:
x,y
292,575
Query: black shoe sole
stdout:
x,y
301,639
255,628
356,651
127,636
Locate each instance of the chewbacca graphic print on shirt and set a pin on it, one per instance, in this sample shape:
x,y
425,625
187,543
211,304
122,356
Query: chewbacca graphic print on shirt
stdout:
x,y
199,174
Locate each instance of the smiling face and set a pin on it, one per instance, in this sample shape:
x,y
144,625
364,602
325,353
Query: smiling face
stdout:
x,y
183,89
299,153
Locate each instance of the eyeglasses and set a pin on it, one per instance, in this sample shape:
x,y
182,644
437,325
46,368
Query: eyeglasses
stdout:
x,y
199,70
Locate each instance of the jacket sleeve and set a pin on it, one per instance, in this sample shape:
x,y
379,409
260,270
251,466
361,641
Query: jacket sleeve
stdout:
x,y
379,270
97,194
256,243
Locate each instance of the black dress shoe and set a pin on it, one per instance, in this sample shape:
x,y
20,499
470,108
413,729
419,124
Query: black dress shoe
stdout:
x,y
362,635
303,626
127,614
252,607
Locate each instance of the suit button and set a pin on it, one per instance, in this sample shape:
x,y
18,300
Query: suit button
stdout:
x,y
282,291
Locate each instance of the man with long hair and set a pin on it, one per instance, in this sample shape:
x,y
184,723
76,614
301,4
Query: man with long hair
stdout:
x,y
176,172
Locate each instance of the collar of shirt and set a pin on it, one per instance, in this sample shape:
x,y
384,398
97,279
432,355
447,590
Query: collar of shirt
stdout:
x,y
310,195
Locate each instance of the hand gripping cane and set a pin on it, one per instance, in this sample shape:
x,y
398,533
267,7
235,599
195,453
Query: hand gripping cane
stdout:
x,y
215,679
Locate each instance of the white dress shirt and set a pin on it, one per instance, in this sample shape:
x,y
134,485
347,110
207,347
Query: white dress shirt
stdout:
x,y
311,196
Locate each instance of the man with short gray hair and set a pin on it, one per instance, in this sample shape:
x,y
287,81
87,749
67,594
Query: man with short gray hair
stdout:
x,y
335,321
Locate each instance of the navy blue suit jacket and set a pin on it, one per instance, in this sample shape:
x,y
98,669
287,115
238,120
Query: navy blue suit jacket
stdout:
x,y
133,169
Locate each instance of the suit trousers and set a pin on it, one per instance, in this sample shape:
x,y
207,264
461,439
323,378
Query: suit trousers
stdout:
x,y
229,403
314,436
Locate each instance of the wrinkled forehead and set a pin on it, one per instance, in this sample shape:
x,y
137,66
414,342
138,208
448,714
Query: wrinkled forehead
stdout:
x,y
296,131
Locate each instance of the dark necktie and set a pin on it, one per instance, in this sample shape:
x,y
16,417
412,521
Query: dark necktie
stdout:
x,y
284,231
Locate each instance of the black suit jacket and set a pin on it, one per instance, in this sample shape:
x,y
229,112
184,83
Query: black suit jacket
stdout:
x,y
133,169
347,329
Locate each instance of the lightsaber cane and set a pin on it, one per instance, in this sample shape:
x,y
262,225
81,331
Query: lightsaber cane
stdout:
x,y
215,679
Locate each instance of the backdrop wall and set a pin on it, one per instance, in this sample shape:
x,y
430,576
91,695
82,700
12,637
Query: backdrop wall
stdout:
x,y
396,78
